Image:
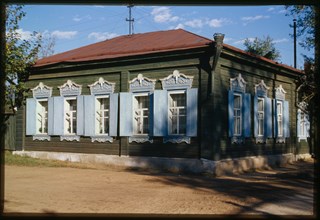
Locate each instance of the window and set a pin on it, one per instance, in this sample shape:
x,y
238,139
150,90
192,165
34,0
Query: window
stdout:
x,y
237,115
42,116
280,118
303,124
141,117
177,113
39,113
260,116
70,116
102,115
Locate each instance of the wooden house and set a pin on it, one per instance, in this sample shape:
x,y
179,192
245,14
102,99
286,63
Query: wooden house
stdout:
x,y
168,94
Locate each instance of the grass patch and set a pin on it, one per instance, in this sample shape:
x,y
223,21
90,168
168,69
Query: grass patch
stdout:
x,y
17,160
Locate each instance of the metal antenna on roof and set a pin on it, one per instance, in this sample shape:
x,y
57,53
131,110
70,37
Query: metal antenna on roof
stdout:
x,y
131,20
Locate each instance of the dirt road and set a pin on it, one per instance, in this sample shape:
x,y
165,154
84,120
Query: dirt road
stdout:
x,y
282,191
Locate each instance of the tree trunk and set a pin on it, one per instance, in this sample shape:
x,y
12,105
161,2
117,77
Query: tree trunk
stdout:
x,y
2,99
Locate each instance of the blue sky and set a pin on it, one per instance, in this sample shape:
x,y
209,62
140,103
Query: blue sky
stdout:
x,y
80,25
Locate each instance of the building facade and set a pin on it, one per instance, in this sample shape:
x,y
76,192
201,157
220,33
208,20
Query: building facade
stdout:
x,y
163,94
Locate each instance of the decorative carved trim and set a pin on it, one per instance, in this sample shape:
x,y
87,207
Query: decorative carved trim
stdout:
x,y
238,84
260,140
101,87
70,138
140,139
176,140
280,92
280,140
177,80
237,140
261,89
42,91
70,88
303,106
41,137
101,139
141,83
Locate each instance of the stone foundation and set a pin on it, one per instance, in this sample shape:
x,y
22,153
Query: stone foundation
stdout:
x,y
218,168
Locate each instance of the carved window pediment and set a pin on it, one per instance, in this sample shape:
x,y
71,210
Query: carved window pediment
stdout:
x,y
101,87
42,91
177,80
238,84
70,88
303,106
261,89
141,83
280,93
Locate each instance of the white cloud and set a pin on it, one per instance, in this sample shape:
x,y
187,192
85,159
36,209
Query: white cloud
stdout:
x,y
179,26
282,11
254,18
251,39
195,23
283,40
99,36
64,34
218,22
227,39
77,18
163,14
271,9
24,35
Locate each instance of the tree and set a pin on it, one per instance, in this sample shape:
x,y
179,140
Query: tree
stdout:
x,y
305,16
262,47
21,54
47,45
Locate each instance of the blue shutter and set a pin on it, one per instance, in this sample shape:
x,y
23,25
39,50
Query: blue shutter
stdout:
x,y
31,116
267,118
246,115
89,115
58,114
126,114
255,116
298,123
151,114
80,115
192,112
50,116
230,112
275,124
160,113
113,119
286,118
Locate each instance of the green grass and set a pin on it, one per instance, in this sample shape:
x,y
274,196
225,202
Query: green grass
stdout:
x,y
17,160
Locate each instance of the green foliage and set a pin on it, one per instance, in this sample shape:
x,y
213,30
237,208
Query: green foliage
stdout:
x,y
17,160
21,54
262,47
305,16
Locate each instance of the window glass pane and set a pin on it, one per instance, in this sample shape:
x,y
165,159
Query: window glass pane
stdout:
x,y
42,117
237,115
102,115
141,114
177,113
71,116
260,104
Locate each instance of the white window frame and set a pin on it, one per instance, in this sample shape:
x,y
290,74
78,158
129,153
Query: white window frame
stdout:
x,y
280,119
43,114
178,115
142,116
261,119
237,116
102,117
74,112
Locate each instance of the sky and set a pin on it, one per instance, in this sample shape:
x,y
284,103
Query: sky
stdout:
x,y
79,25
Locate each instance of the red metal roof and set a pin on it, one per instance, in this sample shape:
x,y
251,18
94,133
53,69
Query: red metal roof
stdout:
x,y
128,45
138,44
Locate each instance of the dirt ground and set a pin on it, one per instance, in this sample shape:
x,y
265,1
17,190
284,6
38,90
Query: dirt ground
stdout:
x,y
282,191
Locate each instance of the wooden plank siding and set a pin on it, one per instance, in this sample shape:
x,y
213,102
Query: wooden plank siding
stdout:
x,y
212,142
252,75
120,73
